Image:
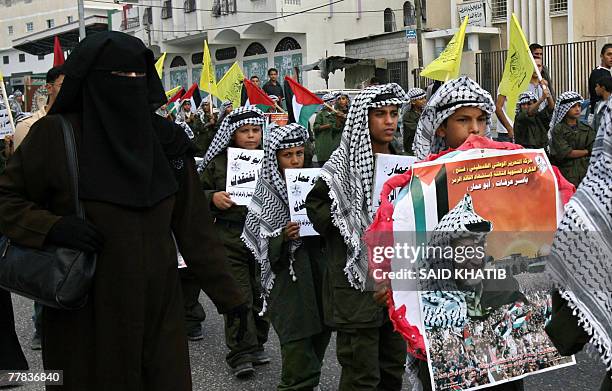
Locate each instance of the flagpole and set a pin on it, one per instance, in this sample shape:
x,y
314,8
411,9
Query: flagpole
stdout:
x,y
279,108
332,108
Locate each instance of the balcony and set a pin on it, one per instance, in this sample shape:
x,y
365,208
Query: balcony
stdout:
x,y
130,23
223,7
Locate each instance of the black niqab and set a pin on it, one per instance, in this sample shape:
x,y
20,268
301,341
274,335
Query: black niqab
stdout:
x,y
125,146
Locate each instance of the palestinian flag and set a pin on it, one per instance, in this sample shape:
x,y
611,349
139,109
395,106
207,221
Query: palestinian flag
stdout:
x,y
58,53
257,97
304,102
172,104
193,95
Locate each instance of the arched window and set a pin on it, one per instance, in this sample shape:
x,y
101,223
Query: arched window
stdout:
x,y
286,44
254,49
178,61
409,16
226,53
389,20
196,58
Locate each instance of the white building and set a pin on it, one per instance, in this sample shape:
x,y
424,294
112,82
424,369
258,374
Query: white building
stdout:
x,y
259,34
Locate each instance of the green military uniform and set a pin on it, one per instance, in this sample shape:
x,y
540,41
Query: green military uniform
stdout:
x,y
295,310
532,131
566,138
229,224
410,120
372,355
2,156
204,133
328,139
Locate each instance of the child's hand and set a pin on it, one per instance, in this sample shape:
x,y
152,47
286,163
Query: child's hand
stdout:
x,y
381,295
222,200
292,231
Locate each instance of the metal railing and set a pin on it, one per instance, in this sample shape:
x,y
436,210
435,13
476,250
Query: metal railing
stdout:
x,y
569,66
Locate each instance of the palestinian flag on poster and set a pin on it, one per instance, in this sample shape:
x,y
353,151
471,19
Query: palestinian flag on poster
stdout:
x,y
257,97
304,102
172,104
193,94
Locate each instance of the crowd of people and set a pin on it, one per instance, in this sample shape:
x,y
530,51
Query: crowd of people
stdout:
x,y
147,200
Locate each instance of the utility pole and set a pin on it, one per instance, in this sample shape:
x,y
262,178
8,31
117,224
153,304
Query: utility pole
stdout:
x,y
81,9
419,20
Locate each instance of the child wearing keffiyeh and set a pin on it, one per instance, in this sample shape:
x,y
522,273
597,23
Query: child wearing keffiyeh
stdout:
x,y
530,123
291,267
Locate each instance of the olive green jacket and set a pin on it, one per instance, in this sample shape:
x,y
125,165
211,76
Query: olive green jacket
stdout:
x,y
566,138
328,139
532,131
410,121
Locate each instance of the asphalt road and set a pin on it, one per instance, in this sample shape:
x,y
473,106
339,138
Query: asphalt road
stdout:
x,y
210,372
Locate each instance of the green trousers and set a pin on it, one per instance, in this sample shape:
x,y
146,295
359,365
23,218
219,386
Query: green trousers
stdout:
x,y
372,359
194,312
302,360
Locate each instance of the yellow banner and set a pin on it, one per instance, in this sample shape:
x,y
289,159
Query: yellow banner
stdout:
x,y
230,85
159,65
170,93
208,81
518,69
448,64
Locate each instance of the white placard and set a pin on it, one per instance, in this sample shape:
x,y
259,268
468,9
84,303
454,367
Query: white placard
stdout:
x,y
5,123
181,261
299,183
243,167
475,11
386,167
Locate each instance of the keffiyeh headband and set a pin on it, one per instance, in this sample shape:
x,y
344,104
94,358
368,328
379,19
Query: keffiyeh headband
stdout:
x,y
349,174
330,98
247,115
525,98
579,262
416,93
444,304
452,95
269,208
565,102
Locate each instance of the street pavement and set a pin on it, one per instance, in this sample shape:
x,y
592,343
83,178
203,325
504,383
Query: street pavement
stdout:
x,y
210,372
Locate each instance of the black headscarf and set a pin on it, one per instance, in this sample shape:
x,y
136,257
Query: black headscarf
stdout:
x,y
125,147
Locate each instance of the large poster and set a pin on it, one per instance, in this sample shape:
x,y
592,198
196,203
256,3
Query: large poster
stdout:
x,y
258,67
286,63
482,315
243,167
299,183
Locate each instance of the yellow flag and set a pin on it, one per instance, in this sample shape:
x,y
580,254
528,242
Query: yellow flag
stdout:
x,y
159,65
448,63
208,81
1,77
230,85
173,91
518,69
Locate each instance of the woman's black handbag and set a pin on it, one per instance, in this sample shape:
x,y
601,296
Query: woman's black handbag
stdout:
x,y
54,276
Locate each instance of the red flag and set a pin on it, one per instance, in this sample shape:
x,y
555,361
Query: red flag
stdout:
x,y
302,94
177,96
58,53
256,95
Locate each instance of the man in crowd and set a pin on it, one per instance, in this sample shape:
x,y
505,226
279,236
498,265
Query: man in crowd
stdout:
x,y
603,88
604,69
327,128
411,116
537,51
273,87
244,97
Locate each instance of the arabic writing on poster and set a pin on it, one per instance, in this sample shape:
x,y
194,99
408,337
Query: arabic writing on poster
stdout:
x,y
5,123
484,176
299,183
386,167
243,167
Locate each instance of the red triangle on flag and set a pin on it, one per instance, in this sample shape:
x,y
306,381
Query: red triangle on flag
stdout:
x,y
256,95
58,53
302,94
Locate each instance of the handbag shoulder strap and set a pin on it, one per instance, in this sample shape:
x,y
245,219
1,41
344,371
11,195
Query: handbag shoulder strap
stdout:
x,y
73,165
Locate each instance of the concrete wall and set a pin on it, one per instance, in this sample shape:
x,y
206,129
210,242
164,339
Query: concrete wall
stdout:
x,y
559,29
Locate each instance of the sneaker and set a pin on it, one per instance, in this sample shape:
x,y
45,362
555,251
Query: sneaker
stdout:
x,y
36,343
261,357
195,334
243,370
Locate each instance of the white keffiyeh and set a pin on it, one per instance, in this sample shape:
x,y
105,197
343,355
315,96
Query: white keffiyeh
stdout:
x,y
452,95
234,120
580,259
525,98
349,174
269,208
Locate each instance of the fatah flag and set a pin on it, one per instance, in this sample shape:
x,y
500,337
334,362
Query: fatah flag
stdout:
x,y
208,81
159,65
448,63
230,85
257,96
304,102
58,53
193,95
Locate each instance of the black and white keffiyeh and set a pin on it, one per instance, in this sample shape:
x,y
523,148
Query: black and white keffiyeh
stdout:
x,y
444,304
269,208
452,95
525,98
241,116
224,106
330,98
565,102
349,174
416,93
579,262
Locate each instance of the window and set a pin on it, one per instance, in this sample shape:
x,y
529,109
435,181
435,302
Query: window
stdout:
x,y
287,44
7,3
226,54
223,7
41,57
189,6
499,11
10,30
558,6
147,17
166,12
389,19
409,15
21,57
424,10
70,19
30,27
50,23
178,61
293,2
5,59
254,49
